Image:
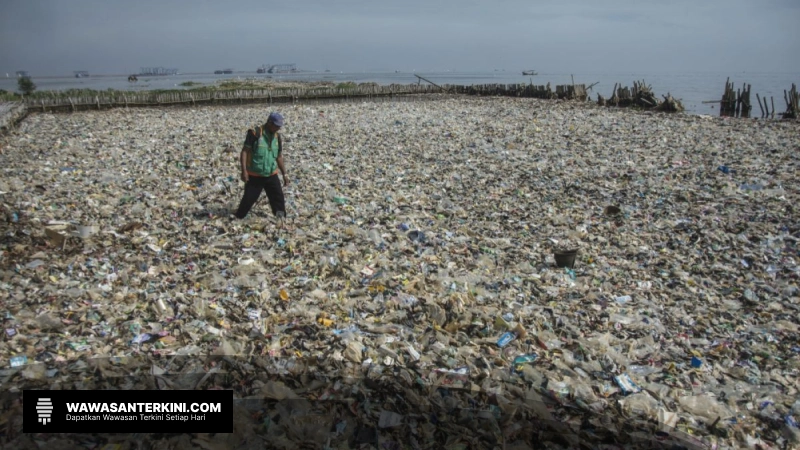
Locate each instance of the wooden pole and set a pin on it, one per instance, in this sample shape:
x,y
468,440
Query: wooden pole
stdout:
x,y
429,81
760,106
786,99
748,107
738,102
573,85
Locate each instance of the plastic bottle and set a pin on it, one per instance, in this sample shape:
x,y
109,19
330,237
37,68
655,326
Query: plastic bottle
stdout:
x,y
641,371
406,301
375,237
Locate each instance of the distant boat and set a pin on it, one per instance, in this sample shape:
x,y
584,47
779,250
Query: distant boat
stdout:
x,y
529,72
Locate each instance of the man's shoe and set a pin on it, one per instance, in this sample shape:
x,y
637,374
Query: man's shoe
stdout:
x,y
281,215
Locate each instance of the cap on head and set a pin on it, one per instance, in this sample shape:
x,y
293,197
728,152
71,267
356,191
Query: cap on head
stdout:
x,y
276,119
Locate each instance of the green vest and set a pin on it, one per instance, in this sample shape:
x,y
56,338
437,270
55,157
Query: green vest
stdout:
x,y
263,158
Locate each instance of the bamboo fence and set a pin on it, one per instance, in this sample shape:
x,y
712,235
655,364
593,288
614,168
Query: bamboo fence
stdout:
x,y
736,103
244,96
792,99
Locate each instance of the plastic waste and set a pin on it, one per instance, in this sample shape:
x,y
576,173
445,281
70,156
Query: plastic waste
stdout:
x,y
412,292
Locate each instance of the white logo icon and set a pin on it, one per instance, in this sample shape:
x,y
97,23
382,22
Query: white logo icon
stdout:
x,y
44,407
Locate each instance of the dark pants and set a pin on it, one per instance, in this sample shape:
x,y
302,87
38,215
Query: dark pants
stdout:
x,y
252,190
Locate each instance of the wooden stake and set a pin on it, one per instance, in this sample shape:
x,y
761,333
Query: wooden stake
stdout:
x,y
738,102
760,106
747,99
431,82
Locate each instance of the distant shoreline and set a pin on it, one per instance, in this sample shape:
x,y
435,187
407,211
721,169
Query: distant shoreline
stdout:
x,y
55,77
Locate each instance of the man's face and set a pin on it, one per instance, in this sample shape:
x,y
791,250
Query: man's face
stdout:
x,y
272,127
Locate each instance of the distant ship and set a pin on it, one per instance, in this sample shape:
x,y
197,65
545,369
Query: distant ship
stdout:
x,y
529,72
156,72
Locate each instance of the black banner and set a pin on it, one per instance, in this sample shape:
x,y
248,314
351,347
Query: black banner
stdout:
x,y
167,411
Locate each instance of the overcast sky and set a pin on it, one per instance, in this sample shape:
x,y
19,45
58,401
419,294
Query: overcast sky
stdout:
x,y
53,37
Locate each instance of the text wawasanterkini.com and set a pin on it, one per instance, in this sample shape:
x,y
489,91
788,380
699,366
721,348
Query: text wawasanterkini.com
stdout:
x,y
140,411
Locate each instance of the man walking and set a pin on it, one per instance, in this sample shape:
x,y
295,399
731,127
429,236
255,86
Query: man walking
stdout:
x,y
261,158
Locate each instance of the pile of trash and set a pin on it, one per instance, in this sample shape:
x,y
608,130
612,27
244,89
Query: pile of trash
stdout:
x,y
412,298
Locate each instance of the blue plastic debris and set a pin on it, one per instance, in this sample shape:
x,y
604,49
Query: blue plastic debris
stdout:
x,y
626,384
18,361
140,339
506,338
725,169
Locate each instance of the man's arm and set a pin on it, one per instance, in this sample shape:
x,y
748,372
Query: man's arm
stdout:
x,y
249,140
279,160
283,169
